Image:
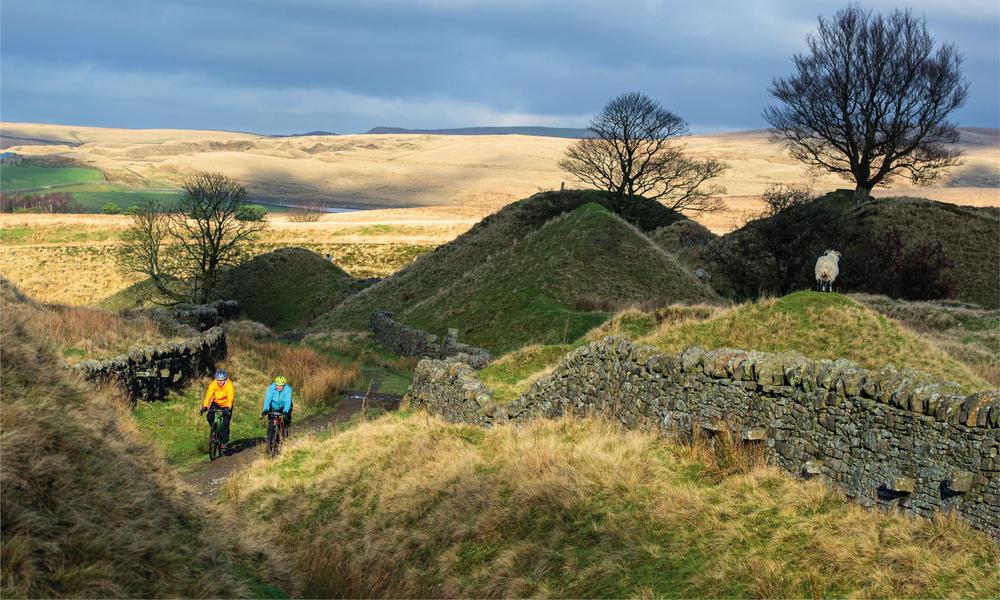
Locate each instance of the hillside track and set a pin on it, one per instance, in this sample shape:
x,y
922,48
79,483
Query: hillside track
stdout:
x,y
209,478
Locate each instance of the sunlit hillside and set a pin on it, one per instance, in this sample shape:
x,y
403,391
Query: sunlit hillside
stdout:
x,y
479,173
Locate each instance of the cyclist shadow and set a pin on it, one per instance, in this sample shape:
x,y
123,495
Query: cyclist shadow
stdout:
x,y
237,446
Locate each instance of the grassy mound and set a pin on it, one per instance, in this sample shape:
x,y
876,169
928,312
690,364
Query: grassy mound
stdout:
x,y
286,288
819,325
406,506
901,247
968,238
439,269
556,284
88,511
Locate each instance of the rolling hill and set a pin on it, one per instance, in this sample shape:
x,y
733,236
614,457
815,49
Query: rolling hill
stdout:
x,y
556,132
480,173
447,264
557,283
283,289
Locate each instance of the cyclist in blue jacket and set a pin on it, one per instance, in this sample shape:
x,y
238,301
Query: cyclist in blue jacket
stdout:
x,y
278,398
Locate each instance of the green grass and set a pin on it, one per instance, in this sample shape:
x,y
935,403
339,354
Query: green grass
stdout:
x,y
123,199
181,433
87,186
495,234
286,288
818,325
26,177
410,506
529,293
511,374
385,371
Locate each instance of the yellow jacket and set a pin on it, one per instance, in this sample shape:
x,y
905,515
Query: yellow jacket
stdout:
x,y
223,396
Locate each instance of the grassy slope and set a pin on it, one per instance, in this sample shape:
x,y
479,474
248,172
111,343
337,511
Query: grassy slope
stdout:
x,y
412,506
970,238
286,288
819,325
527,293
433,271
88,511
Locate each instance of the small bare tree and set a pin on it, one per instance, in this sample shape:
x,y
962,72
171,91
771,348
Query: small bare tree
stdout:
x,y
779,197
632,152
144,251
870,99
182,250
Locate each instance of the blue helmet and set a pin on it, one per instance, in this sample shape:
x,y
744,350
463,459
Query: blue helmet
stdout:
x,y
221,375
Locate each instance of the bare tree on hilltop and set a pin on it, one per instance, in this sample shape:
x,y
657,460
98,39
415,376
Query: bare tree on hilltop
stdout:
x,y
870,99
631,152
182,249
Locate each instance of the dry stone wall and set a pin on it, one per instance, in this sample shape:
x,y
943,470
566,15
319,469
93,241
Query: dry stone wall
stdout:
x,y
149,373
886,438
407,341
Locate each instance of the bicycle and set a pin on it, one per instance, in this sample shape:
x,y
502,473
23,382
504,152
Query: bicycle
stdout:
x,y
275,432
215,434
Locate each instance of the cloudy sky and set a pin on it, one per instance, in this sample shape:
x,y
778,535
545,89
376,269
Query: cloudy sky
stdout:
x,y
282,66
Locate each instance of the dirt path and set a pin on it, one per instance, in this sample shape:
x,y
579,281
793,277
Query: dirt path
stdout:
x,y
209,478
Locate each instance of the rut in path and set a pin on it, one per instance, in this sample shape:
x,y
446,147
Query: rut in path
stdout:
x,y
209,479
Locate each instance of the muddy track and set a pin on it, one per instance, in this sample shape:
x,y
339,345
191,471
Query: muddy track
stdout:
x,y
209,478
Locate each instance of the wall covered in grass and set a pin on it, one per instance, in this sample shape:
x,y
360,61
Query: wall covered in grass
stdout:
x,y
887,438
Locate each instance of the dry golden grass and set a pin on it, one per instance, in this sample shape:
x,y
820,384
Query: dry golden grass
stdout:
x,y
88,510
90,333
70,259
409,505
478,173
316,380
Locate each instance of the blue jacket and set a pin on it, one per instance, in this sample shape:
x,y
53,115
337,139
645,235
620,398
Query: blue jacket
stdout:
x,y
275,400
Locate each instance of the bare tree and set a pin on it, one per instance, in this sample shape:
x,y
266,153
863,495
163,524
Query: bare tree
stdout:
x,y
183,250
632,152
870,99
143,250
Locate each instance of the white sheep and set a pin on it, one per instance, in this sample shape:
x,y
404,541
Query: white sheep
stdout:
x,y
827,269
703,275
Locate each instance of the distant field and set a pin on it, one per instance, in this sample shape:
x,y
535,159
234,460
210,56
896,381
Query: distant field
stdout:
x,y
14,178
71,258
473,174
87,186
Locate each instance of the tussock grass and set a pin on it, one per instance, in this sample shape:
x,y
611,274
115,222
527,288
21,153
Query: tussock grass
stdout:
x,y
819,325
89,333
408,505
88,510
967,333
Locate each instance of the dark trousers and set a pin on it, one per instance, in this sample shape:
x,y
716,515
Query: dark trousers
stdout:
x,y
227,416
288,423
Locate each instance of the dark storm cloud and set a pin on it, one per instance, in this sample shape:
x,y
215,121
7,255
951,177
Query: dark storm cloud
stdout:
x,y
294,65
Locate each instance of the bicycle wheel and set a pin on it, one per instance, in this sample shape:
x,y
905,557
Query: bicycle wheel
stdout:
x,y
214,446
272,442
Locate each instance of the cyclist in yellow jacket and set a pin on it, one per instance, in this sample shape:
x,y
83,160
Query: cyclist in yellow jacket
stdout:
x,y
219,397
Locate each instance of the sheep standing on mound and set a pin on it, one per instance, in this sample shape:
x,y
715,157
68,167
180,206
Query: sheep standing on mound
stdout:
x,y
827,269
